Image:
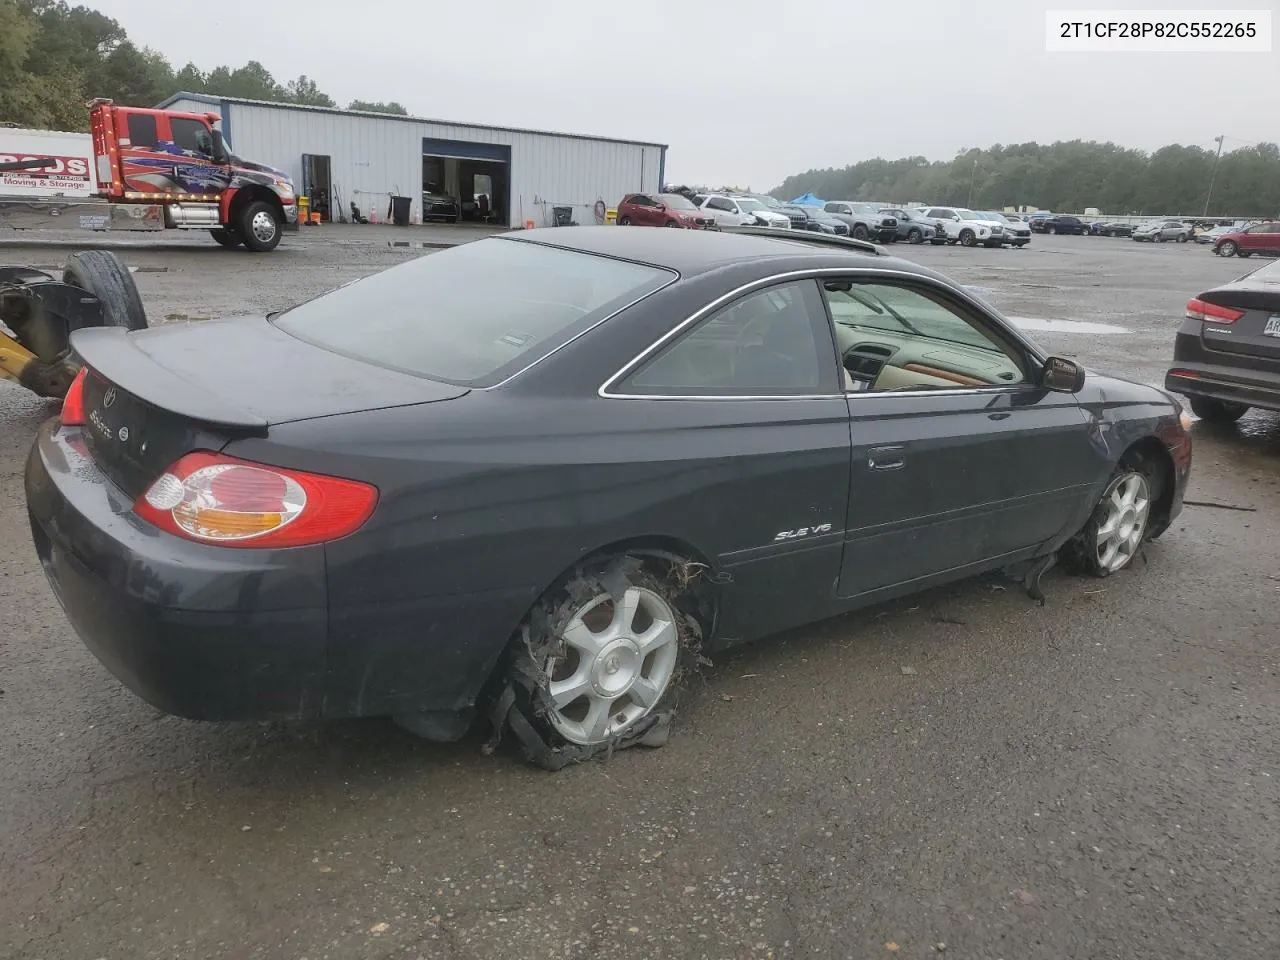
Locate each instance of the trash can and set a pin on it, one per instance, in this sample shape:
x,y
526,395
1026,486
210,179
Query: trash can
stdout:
x,y
399,211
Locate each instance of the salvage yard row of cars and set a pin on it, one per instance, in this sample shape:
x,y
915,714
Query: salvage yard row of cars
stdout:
x,y
882,223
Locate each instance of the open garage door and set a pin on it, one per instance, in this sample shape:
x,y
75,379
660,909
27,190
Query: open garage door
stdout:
x,y
464,180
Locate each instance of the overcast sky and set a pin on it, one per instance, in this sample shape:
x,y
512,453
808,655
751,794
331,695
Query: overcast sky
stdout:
x,y
745,92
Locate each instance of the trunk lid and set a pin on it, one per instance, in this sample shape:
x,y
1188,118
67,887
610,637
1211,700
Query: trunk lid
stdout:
x,y
1247,336
154,395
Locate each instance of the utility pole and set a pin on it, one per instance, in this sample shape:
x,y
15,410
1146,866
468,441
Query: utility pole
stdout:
x,y
973,175
1213,175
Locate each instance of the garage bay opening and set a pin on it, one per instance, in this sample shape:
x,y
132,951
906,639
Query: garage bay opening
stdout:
x,y
469,181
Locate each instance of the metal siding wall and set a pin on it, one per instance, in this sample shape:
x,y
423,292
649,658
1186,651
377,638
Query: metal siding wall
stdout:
x,y
374,156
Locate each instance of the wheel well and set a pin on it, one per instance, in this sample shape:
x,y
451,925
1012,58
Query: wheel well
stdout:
x,y
247,195
1154,451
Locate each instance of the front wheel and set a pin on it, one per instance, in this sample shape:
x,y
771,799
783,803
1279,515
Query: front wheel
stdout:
x,y
968,238
1120,521
671,223
624,221
226,238
598,662
1217,411
859,232
914,235
1050,230
259,227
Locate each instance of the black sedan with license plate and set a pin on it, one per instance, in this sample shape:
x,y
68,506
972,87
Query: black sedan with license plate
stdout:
x,y
1226,357
540,476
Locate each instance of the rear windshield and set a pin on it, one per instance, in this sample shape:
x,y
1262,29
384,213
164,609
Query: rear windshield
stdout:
x,y
474,314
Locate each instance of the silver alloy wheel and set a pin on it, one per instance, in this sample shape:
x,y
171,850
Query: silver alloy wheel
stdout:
x,y
1128,502
613,672
263,226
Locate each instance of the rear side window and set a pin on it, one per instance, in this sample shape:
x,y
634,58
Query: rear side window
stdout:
x,y
474,314
142,129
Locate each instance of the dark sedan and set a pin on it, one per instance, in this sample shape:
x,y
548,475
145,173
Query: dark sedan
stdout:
x,y
1226,357
1111,228
814,219
1059,223
545,472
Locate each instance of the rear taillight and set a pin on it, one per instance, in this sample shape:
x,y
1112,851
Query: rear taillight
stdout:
x,y
1198,309
73,402
212,498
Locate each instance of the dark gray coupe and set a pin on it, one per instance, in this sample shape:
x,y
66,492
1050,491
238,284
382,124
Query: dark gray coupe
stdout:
x,y
540,474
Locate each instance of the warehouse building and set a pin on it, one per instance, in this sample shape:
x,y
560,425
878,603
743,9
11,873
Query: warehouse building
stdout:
x,y
448,171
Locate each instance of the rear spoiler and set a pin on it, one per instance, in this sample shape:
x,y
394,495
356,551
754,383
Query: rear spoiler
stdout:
x,y
110,352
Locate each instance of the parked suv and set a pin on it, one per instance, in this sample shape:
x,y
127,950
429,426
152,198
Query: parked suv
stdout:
x,y
1260,238
1016,233
865,220
1157,231
730,210
1059,223
966,227
914,228
661,210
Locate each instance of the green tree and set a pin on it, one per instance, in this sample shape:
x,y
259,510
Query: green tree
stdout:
x,y
304,91
378,106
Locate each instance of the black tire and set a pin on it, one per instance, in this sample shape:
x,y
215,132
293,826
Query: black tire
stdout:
x,y
860,232
227,238
1213,410
624,221
539,654
251,226
968,238
1182,238
672,223
1080,552
104,275
1050,230
915,235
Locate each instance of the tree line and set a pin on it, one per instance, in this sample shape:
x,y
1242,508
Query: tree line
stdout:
x,y
54,57
1068,176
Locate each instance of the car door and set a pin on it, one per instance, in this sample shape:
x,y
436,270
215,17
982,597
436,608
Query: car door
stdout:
x,y
645,210
959,461
1261,238
747,400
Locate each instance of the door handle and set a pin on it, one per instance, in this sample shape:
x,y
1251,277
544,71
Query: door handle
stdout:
x,y
886,458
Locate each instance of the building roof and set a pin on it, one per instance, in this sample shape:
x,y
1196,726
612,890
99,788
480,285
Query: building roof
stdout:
x,y
218,101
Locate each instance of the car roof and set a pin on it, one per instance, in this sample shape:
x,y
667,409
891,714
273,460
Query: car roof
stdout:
x,y
691,252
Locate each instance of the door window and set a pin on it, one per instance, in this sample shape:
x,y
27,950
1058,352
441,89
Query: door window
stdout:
x,y
772,342
898,338
721,204
191,135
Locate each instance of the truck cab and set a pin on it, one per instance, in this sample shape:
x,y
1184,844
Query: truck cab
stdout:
x,y
179,167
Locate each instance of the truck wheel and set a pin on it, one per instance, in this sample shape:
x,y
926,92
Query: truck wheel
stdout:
x,y
859,232
227,238
259,227
104,275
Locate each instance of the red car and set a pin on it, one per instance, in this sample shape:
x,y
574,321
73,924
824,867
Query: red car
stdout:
x,y
1261,238
662,210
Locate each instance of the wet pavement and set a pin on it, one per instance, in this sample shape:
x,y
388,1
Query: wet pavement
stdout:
x,y
964,773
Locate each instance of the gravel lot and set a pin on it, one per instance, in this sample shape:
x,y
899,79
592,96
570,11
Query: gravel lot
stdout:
x,y
1098,778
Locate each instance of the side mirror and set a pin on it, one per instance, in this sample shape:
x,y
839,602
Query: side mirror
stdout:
x,y
1062,376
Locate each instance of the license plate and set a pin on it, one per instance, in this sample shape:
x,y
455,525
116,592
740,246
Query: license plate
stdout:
x,y
1272,329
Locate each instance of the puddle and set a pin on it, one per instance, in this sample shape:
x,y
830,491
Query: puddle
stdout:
x,y
1050,325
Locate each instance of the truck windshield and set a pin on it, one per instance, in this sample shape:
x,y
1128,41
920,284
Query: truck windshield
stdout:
x,y
474,314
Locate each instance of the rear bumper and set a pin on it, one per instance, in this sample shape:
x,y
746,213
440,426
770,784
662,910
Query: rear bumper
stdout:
x,y
196,631
1200,372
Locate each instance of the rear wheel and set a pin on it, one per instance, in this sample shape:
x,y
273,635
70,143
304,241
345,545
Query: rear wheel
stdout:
x,y
1217,411
624,221
1227,248
259,227
1050,229
226,238
104,275
597,665
1121,519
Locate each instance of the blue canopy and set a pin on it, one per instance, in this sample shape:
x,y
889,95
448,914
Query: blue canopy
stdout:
x,y
809,200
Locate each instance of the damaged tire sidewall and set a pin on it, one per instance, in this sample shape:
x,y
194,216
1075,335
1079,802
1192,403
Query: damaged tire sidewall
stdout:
x,y
541,637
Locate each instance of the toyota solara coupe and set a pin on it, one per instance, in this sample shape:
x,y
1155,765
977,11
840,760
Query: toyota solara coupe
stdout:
x,y
537,476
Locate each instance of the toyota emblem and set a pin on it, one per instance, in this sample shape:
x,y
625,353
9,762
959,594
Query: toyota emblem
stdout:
x,y
109,397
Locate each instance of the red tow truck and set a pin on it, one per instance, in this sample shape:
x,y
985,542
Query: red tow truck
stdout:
x,y
150,170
